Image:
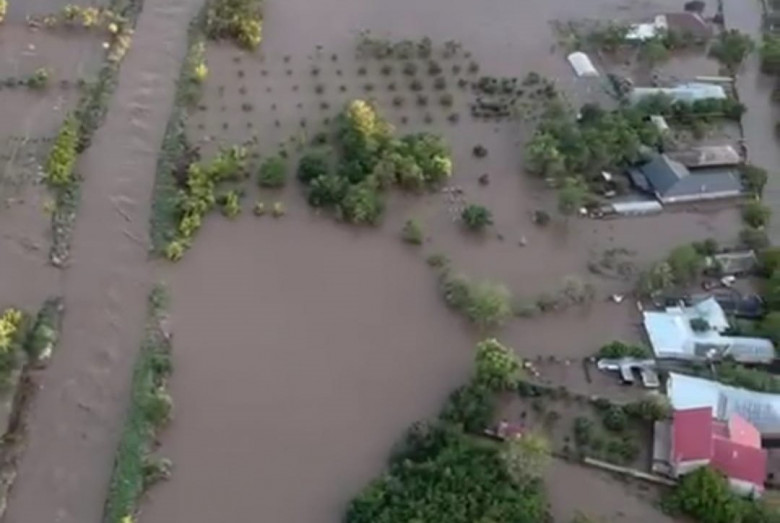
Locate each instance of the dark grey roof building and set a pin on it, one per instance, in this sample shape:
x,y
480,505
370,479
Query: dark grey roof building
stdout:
x,y
672,182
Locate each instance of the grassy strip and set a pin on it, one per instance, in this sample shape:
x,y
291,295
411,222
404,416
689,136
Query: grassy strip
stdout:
x,y
150,406
175,146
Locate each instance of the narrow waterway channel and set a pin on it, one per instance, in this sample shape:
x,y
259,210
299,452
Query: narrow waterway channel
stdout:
x,y
755,91
78,412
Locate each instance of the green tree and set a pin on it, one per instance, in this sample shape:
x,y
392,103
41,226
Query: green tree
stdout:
x,y
526,457
314,164
705,495
755,214
327,190
362,204
571,196
731,48
470,407
489,304
754,179
273,172
658,278
686,264
654,51
770,327
476,217
497,365
769,261
770,54
753,238
543,157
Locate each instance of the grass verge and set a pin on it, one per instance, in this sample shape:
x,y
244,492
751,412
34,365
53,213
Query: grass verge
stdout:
x,y
135,468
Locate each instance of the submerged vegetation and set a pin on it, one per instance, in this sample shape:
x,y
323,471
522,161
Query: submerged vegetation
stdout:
x,y
440,473
371,159
136,468
237,20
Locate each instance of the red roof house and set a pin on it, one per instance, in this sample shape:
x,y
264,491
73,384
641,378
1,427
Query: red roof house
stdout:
x,y
732,447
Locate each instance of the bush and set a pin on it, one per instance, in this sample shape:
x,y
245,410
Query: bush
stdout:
x,y
412,232
238,20
485,304
731,48
471,407
314,164
3,10
362,204
476,217
686,264
618,349
753,238
498,367
754,179
273,172
756,215
62,157
583,431
327,190
615,419
770,54
480,151
39,79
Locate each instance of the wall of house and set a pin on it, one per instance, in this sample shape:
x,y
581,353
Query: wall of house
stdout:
x,y
701,197
686,467
745,488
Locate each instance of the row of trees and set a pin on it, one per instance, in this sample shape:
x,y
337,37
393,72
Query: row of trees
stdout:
x,y
438,473
371,159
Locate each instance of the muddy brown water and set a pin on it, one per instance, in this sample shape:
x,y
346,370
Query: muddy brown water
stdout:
x,y
79,409
304,348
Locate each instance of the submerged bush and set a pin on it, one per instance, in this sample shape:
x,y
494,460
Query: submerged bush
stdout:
x,y
412,232
237,20
273,172
477,217
3,9
314,164
485,304
62,157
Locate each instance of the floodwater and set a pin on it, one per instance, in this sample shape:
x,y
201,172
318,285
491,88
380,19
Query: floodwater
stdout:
x,y
77,414
755,91
304,348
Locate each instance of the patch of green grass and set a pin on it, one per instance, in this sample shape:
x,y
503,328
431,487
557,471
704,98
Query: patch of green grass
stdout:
x,y
135,468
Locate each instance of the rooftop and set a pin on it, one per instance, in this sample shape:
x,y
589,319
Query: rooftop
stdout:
x,y
671,181
707,156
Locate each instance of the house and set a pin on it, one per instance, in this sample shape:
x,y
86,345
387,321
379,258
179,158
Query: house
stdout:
x,y
750,307
687,92
707,156
671,182
696,333
761,409
730,445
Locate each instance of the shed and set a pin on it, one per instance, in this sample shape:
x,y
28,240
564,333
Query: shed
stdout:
x,y
582,65
636,207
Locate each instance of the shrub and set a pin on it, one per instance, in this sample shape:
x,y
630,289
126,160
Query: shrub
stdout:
x,y
753,238
615,419
416,85
756,215
327,190
480,151
422,100
731,48
412,232
3,10
410,69
238,20
498,367
754,179
485,304
39,79
618,349
440,83
231,204
362,204
278,210
471,407
314,164
273,172
583,431
62,157
446,100
476,217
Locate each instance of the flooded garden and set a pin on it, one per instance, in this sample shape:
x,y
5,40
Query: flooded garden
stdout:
x,y
318,301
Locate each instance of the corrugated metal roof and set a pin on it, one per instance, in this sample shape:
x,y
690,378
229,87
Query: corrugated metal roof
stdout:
x,y
688,92
759,408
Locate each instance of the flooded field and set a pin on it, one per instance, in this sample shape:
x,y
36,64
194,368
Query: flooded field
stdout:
x,y
303,347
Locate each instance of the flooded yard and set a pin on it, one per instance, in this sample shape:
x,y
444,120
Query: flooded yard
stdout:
x,y
305,347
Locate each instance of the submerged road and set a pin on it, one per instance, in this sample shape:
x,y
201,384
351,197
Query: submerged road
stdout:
x,y
77,415
759,121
